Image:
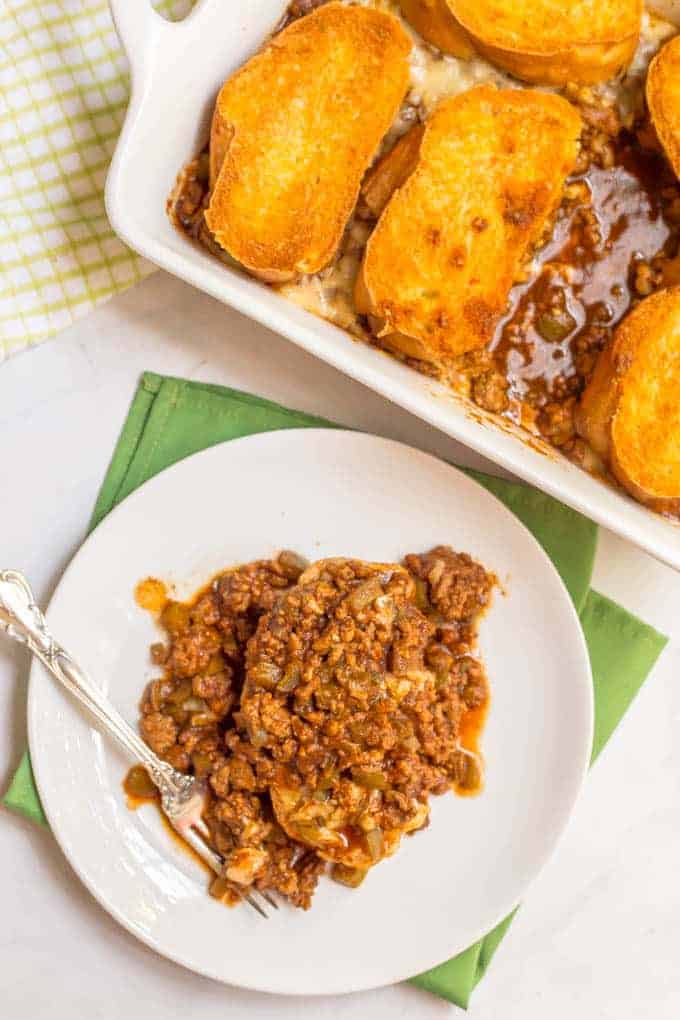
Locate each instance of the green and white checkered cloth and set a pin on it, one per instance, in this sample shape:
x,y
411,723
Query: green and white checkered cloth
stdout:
x,y
63,94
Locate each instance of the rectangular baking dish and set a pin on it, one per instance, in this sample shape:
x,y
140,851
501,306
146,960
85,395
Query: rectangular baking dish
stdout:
x,y
177,69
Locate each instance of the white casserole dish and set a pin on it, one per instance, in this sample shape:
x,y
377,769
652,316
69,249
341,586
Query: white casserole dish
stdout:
x,y
177,69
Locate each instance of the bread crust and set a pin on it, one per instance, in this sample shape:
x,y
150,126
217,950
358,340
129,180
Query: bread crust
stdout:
x,y
293,132
392,171
663,99
630,411
551,41
438,268
435,22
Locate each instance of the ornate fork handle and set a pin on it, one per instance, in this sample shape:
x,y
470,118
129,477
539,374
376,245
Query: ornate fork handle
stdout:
x,y
23,621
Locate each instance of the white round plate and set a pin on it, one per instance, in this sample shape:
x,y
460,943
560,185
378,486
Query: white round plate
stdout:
x,y
322,493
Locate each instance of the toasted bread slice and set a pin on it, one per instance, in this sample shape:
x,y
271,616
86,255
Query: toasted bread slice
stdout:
x,y
630,411
553,41
437,25
440,263
663,99
293,133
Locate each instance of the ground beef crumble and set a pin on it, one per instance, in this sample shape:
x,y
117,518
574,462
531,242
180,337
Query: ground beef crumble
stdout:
x,y
323,705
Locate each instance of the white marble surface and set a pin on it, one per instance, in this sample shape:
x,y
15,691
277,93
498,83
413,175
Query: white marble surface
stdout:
x,y
599,933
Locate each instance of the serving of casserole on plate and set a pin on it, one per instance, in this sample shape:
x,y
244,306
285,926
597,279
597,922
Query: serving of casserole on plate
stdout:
x,y
471,207
311,762
324,704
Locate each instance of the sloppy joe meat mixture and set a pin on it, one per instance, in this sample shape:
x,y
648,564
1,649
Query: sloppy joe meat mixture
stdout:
x,y
323,705
614,240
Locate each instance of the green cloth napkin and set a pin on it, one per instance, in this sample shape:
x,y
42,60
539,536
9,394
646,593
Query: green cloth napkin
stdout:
x,y
171,418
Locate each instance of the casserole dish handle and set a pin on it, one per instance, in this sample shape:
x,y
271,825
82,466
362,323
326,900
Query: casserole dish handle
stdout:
x,y
148,38
137,23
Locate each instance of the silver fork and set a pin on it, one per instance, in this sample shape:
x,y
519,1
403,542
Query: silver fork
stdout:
x,y
182,797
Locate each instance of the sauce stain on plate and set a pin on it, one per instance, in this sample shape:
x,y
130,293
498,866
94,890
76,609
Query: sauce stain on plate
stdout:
x,y
151,594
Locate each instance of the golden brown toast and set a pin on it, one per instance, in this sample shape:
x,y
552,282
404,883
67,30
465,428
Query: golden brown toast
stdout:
x,y
630,410
440,263
553,41
663,99
293,132
437,25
